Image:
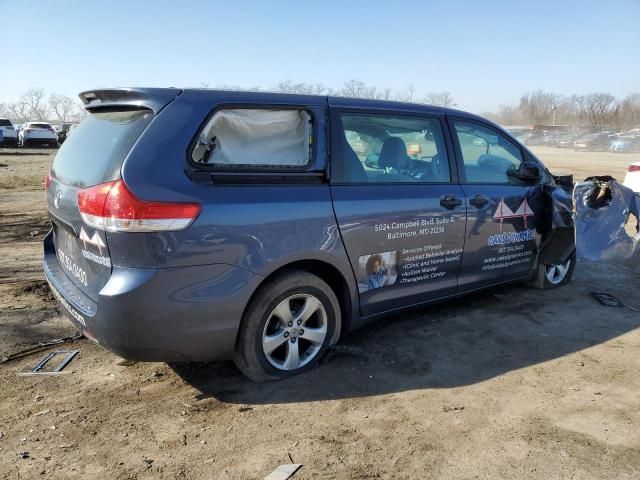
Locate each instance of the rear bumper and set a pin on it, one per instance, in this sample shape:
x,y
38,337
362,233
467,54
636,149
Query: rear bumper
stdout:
x,y
168,315
40,141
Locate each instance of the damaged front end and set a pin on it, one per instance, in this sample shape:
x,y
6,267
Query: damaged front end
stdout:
x,y
604,228
558,234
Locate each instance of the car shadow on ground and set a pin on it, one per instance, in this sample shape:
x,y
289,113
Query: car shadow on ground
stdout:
x,y
448,345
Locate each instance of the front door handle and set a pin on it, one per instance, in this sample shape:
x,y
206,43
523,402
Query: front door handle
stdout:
x,y
449,201
479,201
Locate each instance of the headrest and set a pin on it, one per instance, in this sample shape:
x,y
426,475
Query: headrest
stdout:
x,y
394,154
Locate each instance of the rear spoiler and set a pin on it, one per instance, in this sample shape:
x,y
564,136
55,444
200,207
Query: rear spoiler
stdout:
x,y
154,99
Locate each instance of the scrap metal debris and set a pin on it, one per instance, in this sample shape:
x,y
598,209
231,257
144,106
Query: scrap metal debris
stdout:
x,y
41,346
283,472
42,367
609,300
603,207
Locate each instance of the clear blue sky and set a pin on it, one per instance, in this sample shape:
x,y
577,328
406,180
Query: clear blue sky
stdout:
x,y
486,53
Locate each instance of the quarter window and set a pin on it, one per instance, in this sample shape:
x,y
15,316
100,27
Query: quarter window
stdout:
x,y
488,156
372,148
255,137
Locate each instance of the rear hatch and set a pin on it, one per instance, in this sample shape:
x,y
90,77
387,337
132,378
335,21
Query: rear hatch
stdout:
x,y
7,128
40,130
92,156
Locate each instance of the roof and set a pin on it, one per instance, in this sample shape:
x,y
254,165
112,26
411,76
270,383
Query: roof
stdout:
x,y
157,98
135,94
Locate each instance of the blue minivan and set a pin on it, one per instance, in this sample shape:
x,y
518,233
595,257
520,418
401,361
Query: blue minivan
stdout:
x,y
197,225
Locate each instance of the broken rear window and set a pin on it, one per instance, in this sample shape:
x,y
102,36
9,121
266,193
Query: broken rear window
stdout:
x,y
255,137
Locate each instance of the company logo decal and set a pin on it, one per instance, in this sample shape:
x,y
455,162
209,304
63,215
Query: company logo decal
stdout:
x,y
503,211
93,240
96,241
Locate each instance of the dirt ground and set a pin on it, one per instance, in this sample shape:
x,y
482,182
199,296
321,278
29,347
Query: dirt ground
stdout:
x,y
509,383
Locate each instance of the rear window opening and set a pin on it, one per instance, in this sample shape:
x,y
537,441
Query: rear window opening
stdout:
x,y
255,137
5,123
41,126
98,146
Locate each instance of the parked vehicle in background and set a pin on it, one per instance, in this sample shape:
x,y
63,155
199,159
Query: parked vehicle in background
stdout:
x,y
566,140
632,178
625,145
9,133
264,226
72,128
37,134
593,142
533,138
1,137
63,131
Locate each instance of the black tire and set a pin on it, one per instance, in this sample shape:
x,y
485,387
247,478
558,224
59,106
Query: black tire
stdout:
x,y
249,355
541,280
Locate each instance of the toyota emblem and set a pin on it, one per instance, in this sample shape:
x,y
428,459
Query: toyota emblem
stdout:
x,y
56,200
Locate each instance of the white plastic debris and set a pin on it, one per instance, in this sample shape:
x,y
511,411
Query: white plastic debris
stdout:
x,y
283,472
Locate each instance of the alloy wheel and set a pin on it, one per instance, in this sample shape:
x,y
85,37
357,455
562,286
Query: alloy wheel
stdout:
x,y
557,273
294,332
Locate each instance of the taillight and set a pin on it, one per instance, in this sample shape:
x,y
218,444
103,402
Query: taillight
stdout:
x,y
113,207
47,181
634,168
28,129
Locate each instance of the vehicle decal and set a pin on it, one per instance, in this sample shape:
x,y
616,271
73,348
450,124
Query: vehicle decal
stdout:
x,y
105,261
93,240
433,257
74,269
504,212
511,237
511,248
63,301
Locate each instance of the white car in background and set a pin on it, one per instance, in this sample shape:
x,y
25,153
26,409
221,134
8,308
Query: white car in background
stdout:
x,y
37,133
9,133
632,179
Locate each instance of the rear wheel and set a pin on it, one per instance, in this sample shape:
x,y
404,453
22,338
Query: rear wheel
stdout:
x,y
287,327
554,275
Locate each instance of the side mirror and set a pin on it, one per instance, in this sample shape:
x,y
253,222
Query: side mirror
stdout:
x,y
373,161
529,172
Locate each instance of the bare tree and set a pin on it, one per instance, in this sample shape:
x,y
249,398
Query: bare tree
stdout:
x,y
538,106
62,106
601,108
407,95
36,103
78,114
442,99
354,88
18,112
508,115
385,93
629,112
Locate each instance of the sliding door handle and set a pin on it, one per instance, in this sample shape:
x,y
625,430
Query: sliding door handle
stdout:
x,y
449,201
479,201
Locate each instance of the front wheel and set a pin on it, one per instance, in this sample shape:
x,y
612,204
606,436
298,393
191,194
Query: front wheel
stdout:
x,y
287,327
554,275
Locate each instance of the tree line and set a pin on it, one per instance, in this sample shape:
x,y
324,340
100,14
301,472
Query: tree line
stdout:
x,y
599,109
354,89
36,105
538,107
